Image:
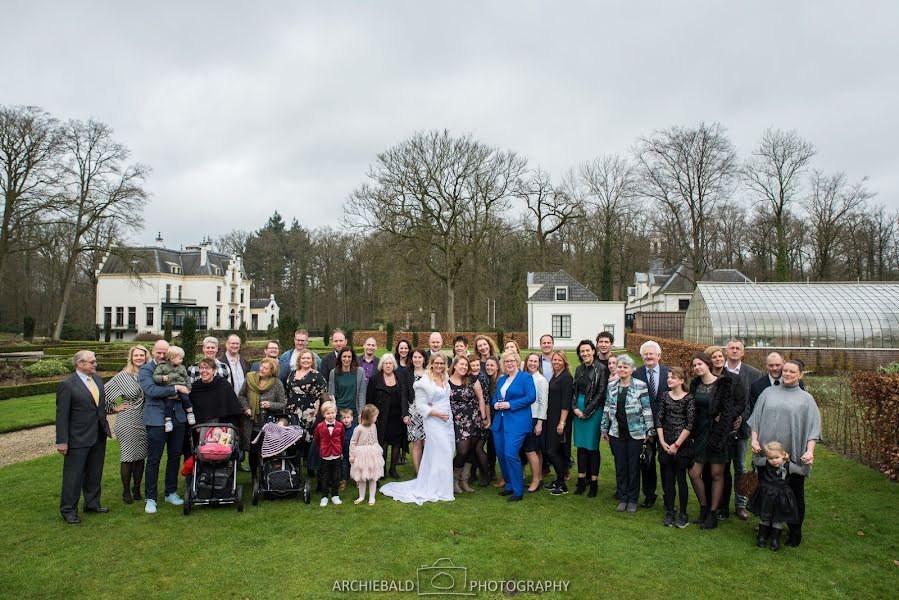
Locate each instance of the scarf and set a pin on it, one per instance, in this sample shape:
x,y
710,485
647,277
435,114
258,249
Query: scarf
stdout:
x,y
255,389
214,401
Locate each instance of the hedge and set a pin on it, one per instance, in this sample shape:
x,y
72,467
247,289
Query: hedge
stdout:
x,y
33,389
878,394
21,348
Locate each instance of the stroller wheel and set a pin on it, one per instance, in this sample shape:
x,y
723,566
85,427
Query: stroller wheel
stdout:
x,y
240,498
186,507
307,492
256,493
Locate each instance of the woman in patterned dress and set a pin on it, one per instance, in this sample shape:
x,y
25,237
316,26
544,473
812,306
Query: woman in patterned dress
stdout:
x,y
411,417
305,389
129,424
469,413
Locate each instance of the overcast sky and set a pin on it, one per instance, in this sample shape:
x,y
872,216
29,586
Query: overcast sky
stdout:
x,y
242,108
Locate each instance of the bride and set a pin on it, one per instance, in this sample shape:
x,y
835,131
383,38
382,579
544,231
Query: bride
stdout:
x,y
435,475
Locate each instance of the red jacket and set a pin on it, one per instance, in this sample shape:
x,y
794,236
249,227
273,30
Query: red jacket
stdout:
x,y
329,444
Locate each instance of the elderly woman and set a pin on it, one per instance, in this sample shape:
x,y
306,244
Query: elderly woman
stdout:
x,y
788,414
388,391
347,383
129,424
515,392
627,423
590,382
713,398
261,393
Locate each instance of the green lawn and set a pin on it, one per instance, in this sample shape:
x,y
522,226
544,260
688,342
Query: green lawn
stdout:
x,y
286,549
31,411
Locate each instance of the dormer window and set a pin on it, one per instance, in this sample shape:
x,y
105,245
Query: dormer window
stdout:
x,y
561,293
631,291
176,270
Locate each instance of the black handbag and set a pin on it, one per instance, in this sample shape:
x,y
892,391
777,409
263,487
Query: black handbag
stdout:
x,y
647,454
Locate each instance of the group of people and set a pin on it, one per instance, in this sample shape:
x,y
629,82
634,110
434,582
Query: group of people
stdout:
x,y
458,414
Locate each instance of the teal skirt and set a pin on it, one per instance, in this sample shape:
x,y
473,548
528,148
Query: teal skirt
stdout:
x,y
586,431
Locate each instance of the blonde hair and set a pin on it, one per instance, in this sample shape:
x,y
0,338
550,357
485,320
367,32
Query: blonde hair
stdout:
x,y
129,364
174,351
772,447
296,363
493,349
271,362
368,414
326,406
430,367
712,350
512,354
344,412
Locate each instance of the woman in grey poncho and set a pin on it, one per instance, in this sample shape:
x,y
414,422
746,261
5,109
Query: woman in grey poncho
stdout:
x,y
789,415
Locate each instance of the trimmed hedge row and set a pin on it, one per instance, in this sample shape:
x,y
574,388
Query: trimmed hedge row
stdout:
x,y
878,394
33,389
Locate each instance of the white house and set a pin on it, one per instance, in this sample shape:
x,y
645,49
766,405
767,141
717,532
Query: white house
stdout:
x,y
560,305
139,289
263,312
670,290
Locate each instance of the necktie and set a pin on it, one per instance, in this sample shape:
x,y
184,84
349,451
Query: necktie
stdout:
x,y
94,391
652,382
777,382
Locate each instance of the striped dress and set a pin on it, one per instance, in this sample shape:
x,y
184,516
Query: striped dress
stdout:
x,y
129,424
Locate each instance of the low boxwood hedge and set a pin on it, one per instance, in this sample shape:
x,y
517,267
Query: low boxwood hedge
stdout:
x,y
33,389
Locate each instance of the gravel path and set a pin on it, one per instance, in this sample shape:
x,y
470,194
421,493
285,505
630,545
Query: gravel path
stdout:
x,y
18,446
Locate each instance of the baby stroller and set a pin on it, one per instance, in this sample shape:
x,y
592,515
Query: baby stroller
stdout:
x,y
213,481
279,475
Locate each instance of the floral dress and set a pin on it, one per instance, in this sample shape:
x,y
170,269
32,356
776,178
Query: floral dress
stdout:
x,y
466,414
302,394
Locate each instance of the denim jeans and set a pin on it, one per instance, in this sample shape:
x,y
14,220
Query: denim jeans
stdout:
x,y
157,439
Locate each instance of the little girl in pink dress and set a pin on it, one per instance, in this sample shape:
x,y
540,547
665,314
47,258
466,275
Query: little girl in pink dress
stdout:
x,y
366,455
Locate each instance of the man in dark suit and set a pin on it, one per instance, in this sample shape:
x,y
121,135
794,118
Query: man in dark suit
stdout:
x,y
329,361
81,432
774,363
744,375
655,376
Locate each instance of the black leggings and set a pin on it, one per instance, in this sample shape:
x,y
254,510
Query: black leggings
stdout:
x,y
797,484
671,473
587,462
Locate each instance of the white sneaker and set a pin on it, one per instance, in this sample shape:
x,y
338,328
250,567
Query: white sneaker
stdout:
x,y
324,501
336,500
150,508
168,426
191,419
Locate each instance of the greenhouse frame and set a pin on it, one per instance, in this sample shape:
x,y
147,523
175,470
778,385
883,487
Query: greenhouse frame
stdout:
x,y
795,315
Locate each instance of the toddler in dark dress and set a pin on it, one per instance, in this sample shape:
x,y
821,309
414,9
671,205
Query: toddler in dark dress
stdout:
x,y
773,502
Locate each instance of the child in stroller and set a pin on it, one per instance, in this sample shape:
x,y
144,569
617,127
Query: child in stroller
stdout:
x,y
281,444
213,478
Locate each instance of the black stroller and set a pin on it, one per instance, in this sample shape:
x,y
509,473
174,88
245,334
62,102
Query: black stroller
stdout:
x,y
213,481
280,475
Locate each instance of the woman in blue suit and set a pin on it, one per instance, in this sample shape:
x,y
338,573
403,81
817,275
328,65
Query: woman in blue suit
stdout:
x,y
515,392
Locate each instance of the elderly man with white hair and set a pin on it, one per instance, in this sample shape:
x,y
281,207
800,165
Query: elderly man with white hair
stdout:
x,y
655,376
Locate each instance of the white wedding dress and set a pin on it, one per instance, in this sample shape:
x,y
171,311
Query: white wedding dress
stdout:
x,y
435,475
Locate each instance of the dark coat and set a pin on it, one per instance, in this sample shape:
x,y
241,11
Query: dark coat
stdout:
x,y
722,407
661,386
744,380
378,393
595,398
78,419
328,363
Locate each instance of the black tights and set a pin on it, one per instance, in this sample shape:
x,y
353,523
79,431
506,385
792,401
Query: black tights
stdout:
x,y
132,470
471,448
395,453
587,462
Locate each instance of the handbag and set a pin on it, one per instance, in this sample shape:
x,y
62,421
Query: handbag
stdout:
x,y
647,455
749,483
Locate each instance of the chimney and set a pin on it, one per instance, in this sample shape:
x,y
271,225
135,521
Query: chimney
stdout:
x,y
159,243
205,245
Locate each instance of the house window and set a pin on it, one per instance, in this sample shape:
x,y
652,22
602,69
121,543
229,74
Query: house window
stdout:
x,y
562,326
120,316
120,335
610,327
168,292
132,317
149,316
218,294
233,294
631,291
683,304
218,317
179,292
562,293
241,295
176,270
107,316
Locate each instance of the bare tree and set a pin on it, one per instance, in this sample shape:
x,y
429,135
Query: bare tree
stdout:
x,y
29,144
611,183
550,208
688,172
233,242
438,193
101,191
773,173
831,202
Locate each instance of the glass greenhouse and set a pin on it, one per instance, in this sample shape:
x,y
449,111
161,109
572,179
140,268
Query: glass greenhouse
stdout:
x,y
795,315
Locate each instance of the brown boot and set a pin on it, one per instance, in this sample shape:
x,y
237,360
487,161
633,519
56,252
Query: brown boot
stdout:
x,y
457,474
463,481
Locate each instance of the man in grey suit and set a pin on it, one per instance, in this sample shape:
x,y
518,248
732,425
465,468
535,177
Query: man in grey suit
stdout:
x,y
744,375
81,432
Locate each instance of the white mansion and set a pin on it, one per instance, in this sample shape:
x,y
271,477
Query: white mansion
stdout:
x,y
138,294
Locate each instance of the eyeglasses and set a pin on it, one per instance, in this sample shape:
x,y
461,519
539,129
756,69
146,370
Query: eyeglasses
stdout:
x,y
206,369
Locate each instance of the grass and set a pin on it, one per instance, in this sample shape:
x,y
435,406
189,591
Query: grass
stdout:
x,y
31,411
285,548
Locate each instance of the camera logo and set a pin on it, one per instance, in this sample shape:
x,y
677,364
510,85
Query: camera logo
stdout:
x,y
443,578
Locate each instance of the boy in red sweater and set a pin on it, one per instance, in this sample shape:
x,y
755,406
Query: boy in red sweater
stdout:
x,y
329,436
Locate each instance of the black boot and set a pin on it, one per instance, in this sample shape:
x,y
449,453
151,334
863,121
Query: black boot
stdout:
x,y
775,539
394,458
711,520
795,536
703,513
762,539
581,486
594,485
